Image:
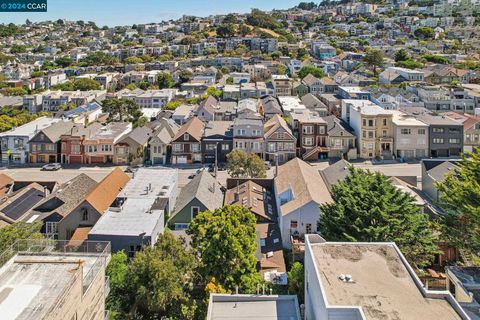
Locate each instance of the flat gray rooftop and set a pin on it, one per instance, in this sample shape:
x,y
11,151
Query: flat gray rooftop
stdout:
x,y
381,285
241,307
31,284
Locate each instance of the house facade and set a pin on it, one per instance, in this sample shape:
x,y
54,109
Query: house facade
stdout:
x,y
186,144
45,146
217,141
311,133
248,135
279,141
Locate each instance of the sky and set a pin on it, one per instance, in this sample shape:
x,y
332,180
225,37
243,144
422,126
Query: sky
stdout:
x,y
127,12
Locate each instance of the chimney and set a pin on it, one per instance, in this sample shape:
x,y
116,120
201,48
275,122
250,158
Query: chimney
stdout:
x,y
45,191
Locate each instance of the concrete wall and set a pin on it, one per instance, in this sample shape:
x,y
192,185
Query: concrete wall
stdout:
x,y
74,220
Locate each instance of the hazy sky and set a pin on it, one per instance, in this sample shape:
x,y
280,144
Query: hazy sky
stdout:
x,y
124,12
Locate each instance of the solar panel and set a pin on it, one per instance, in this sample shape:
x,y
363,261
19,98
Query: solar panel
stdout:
x,y
24,203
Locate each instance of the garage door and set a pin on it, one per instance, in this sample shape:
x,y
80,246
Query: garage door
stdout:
x,y
181,160
96,160
157,160
75,159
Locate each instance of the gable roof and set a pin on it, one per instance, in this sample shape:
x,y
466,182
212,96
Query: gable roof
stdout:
x,y
193,127
69,195
205,188
54,131
140,135
103,195
208,104
251,196
271,105
310,80
273,124
335,173
304,181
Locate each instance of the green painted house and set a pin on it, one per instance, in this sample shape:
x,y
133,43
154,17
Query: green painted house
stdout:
x,y
200,194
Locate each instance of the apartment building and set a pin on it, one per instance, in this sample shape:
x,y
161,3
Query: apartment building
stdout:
x,y
137,217
248,135
282,86
311,133
45,146
445,134
14,143
100,144
373,127
72,143
342,278
150,98
52,101
45,279
410,136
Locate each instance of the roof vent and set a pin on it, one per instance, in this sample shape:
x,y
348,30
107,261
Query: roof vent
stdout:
x,y
346,278
269,254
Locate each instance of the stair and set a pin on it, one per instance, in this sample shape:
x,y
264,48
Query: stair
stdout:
x,y
311,152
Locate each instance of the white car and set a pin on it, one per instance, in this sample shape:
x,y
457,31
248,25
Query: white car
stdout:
x,y
52,167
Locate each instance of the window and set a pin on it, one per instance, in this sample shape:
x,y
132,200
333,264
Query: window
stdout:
x,y
225,147
293,224
178,147
308,141
85,214
195,211
371,135
49,147
210,147
92,148
308,129
106,147
405,131
421,131
454,140
364,122
256,132
195,147
17,142
437,130
384,133
384,122
454,130
438,140
322,129
308,228
370,123
75,148
181,226
241,132
51,228
186,136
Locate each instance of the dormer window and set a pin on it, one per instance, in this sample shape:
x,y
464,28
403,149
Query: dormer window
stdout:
x,y
186,136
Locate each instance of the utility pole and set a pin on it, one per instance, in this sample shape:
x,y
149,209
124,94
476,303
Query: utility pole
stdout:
x,y
216,158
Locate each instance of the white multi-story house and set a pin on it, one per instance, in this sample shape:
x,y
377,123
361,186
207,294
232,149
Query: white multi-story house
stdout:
x,y
14,143
410,136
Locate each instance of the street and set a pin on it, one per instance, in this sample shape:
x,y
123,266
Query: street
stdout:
x,y
98,173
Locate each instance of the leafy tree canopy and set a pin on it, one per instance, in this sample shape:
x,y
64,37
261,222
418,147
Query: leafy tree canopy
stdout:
x,y
368,208
459,196
165,80
314,71
225,241
243,165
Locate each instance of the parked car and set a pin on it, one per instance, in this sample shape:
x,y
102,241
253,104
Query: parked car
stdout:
x,y
52,167
194,174
131,169
220,167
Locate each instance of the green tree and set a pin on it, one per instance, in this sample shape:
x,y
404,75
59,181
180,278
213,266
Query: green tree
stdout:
x,y
157,283
401,55
424,33
226,30
225,241
165,80
459,196
122,110
436,59
131,86
296,281
243,165
132,60
85,84
281,69
17,91
64,62
185,76
18,231
368,208
212,91
375,59
230,18
18,49
314,71
98,58
117,271
229,80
